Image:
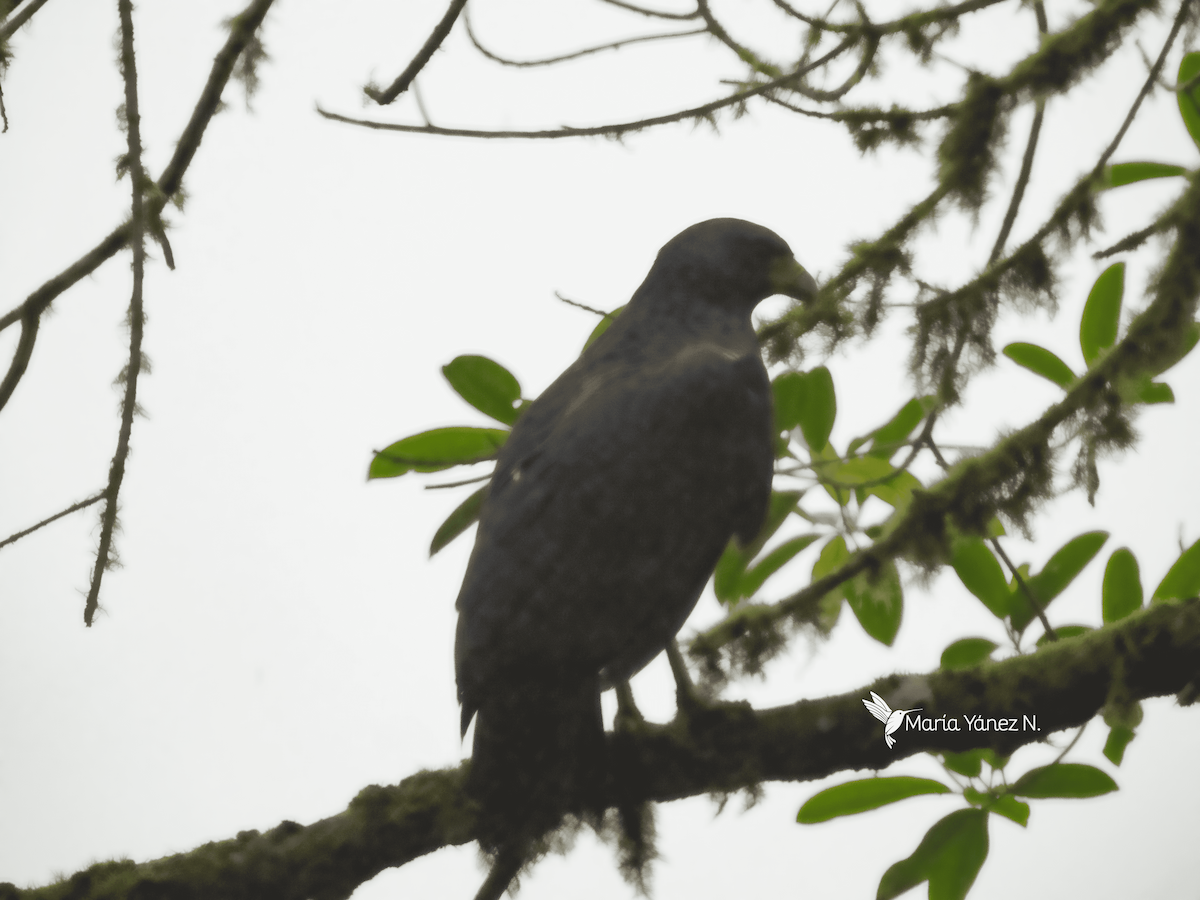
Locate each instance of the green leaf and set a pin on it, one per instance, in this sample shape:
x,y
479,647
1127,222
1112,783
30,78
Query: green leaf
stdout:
x,y
897,491
981,574
772,563
807,400
949,857
1183,579
1060,570
1072,780
1127,173
437,449
1189,102
967,652
864,794
788,391
486,385
860,470
733,562
728,573
833,556
464,516
1118,739
1102,313
1156,392
969,762
1122,591
890,437
1042,362
602,327
878,601
1011,808
993,759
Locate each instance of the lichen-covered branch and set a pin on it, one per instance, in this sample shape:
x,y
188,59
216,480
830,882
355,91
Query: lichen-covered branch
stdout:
x,y
132,162
712,749
1009,479
240,34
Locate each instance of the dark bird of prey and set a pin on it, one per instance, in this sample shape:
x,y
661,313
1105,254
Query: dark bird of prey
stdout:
x,y
610,504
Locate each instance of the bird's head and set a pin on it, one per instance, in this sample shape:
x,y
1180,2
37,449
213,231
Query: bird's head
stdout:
x,y
732,263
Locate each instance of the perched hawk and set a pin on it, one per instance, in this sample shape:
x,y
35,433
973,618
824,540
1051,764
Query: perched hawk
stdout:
x,y
610,504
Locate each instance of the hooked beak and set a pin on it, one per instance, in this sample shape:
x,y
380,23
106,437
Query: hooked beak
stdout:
x,y
791,279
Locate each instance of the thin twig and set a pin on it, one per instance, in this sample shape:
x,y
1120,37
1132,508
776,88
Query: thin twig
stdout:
x,y
245,24
743,53
1132,241
584,306
1180,18
531,63
903,24
20,360
699,112
400,85
74,507
137,240
653,13
454,484
1010,216
1025,589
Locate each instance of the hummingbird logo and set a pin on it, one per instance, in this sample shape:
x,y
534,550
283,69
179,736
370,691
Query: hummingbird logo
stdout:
x,y
891,718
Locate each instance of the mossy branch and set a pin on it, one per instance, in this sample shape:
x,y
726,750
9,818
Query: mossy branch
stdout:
x,y
720,748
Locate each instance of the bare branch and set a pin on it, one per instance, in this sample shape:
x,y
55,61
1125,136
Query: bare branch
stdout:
x,y
1133,241
1010,216
653,13
905,23
10,25
614,130
578,305
29,330
74,507
1180,18
137,239
242,32
244,26
530,63
440,31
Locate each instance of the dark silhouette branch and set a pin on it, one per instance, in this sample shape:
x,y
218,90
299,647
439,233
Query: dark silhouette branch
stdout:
x,y
1132,241
401,84
15,20
615,130
907,23
652,13
74,507
105,554
531,63
21,357
716,748
244,27
1014,205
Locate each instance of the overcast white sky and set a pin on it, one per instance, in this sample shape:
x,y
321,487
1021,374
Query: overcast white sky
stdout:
x,y
278,638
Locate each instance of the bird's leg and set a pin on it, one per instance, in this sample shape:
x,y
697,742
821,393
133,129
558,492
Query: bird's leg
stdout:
x,y
505,867
627,712
686,698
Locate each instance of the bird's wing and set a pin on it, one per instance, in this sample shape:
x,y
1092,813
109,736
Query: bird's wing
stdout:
x,y
878,707
606,517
